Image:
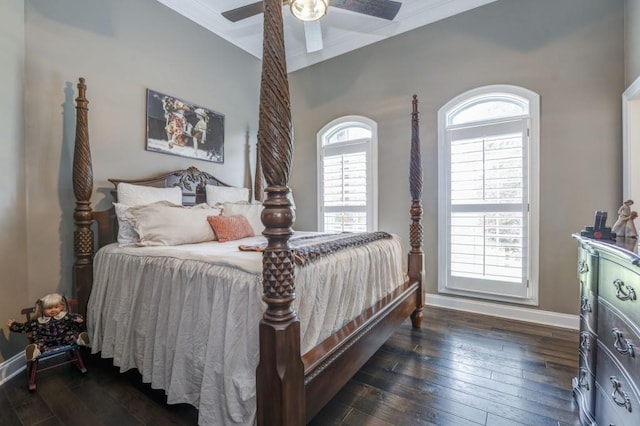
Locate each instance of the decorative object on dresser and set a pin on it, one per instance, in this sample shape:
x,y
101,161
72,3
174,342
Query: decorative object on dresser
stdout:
x,y
606,387
599,230
624,226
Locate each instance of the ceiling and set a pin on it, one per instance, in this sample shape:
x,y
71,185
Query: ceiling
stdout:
x,y
342,31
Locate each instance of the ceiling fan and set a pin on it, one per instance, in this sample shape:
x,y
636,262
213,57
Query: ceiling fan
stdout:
x,y
310,11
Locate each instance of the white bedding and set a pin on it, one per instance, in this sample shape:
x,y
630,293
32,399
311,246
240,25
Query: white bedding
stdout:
x,y
187,316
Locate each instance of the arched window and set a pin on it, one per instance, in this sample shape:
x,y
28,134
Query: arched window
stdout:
x,y
488,194
347,175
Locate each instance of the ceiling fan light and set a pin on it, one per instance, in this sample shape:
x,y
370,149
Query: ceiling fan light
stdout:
x,y
309,10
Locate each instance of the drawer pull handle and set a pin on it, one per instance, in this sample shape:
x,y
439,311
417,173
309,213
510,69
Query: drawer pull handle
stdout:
x,y
583,266
585,306
623,346
630,293
626,402
582,381
585,343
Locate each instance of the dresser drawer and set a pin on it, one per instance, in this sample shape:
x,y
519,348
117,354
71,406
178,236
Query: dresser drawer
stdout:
x,y
588,311
607,413
621,338
587,269
587,348
619,286
584,385
616,398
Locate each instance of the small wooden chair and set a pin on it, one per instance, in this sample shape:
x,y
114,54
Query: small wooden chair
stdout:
x,y
72,352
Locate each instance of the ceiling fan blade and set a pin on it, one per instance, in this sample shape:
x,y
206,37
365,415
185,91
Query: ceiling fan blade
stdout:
x,y
243,12
385,9
313,36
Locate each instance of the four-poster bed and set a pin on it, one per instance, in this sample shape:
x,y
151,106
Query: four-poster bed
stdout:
x,y
292,384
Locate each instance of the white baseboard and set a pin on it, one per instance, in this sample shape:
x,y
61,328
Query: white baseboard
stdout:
x,y
12,367
504,311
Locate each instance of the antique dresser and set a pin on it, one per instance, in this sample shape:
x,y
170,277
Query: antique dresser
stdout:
x,y
606,387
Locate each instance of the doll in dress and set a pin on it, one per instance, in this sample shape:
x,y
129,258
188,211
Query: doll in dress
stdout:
x,y
52,326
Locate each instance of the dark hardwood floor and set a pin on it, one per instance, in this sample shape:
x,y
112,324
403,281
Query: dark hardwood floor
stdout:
x,y
460,369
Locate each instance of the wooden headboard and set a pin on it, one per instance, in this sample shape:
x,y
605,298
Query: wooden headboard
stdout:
x,y
191,181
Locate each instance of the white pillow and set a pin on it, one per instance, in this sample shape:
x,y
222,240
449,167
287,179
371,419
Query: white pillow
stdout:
x,y
167,224
225,194
137,195
251,211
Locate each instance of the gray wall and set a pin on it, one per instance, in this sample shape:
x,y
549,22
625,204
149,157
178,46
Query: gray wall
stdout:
x,y
13,231
568,51
121,48
632,40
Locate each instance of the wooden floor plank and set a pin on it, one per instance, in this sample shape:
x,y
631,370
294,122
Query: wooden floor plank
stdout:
x,y
388,382
8,416
493,400
417,368
66,405
397,410
28,407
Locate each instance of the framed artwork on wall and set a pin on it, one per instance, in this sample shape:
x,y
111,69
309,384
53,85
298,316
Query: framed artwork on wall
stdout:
x,y
178,127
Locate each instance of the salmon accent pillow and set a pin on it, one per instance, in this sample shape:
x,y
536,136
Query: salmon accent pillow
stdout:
x,y
229,228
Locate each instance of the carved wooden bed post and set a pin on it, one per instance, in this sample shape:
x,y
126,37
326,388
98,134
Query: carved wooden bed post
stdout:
x,y
280,372
258,184
415,229
83,214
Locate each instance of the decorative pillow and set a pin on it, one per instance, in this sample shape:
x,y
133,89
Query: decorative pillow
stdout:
x,y
137,195
130,195
167,224
225,194
229,228
252,212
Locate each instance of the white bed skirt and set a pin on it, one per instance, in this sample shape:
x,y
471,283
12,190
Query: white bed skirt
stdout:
x,y
187,317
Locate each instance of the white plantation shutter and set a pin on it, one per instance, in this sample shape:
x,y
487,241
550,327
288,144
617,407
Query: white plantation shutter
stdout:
x,y
485,217
346,180
487,193
345,191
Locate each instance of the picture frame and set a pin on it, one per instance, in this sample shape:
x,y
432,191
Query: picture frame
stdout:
x,y
182,128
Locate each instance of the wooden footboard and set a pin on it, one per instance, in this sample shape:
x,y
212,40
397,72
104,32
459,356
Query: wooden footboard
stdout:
x,y
291,388
330,365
